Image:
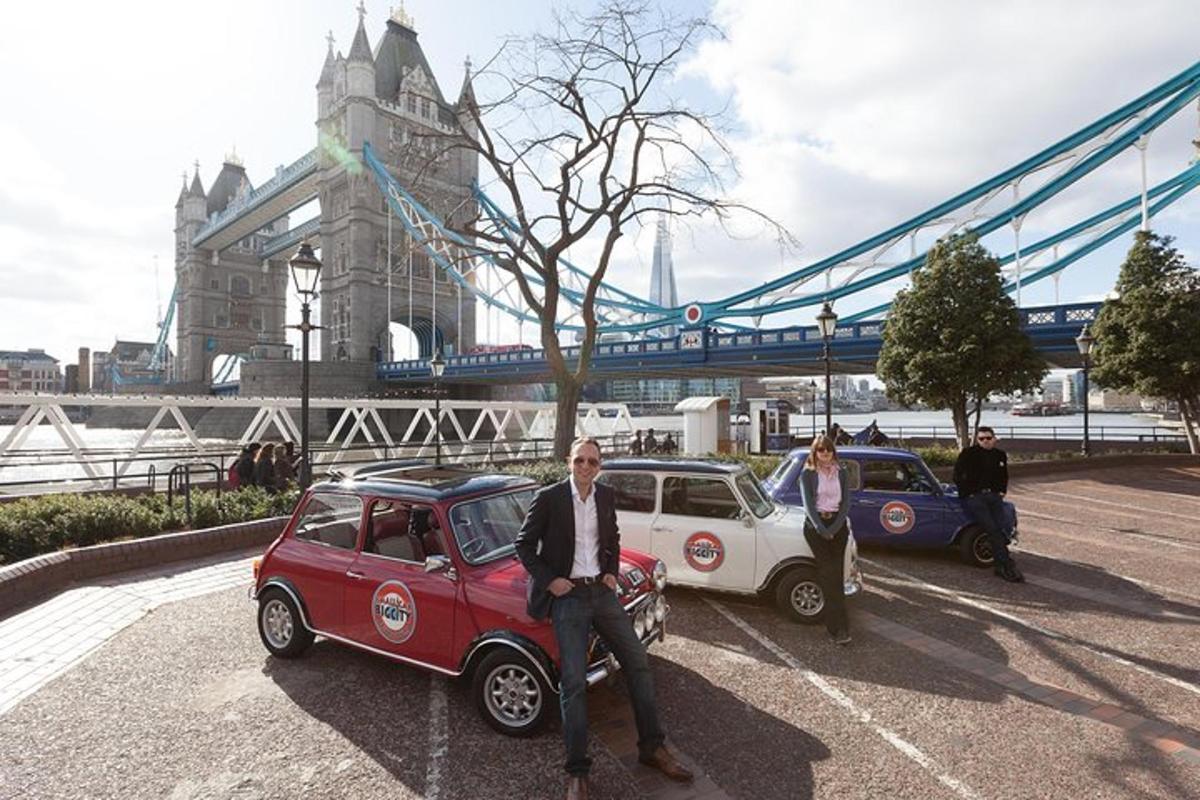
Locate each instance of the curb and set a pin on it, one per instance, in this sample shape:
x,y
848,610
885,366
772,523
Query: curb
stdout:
x,y
27,581
1029,469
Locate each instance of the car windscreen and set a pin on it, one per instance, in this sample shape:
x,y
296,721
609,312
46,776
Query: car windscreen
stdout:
x,y
748,485
780,471
485,529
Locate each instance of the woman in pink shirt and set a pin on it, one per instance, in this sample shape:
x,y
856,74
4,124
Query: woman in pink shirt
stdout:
x,y
825,489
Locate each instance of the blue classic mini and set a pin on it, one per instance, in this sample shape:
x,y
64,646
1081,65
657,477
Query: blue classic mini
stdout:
x,y
895,500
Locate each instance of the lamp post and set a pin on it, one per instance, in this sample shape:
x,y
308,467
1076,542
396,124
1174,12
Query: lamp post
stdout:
x,y
1084,342
812,393
827,323
306,270
437,366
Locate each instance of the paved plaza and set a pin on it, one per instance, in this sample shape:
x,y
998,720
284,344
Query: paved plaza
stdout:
x,y
1083,682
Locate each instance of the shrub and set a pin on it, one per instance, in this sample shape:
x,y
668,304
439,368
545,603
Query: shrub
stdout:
x,y
761,466
35,525
938,455
545,472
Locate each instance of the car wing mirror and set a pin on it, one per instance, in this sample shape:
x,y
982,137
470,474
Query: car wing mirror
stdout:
x,y
437,563
747,518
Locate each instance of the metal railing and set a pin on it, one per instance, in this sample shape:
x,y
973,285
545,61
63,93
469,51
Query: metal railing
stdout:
x,y
1065,433
147,468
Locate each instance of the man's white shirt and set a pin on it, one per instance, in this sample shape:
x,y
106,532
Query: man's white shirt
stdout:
x,y
587,534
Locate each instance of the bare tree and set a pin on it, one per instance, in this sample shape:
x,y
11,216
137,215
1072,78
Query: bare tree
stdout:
x,y
583,142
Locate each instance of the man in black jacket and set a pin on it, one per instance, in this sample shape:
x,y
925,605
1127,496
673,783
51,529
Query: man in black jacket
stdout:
x,y
571,547
981,474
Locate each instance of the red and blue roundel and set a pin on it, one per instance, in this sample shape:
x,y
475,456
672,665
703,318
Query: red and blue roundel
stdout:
x,y
704,551
394,612
897,517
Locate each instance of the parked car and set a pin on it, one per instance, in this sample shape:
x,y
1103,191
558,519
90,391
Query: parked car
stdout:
x,y
896,501
416,563
715,529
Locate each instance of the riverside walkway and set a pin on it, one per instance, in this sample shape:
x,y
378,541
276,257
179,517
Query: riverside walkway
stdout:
x,y
1082,682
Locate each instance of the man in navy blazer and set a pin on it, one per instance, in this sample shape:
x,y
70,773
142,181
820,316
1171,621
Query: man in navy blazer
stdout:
x,y
571,546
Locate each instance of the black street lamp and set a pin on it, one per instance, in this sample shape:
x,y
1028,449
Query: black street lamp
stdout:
x,y
812,393
827,323
437,366
306,270
1084,342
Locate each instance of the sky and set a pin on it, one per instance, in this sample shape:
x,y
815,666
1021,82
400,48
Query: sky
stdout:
x,y
845,118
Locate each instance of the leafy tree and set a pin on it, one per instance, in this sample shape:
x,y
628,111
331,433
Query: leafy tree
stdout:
x,y
955,337
1148,338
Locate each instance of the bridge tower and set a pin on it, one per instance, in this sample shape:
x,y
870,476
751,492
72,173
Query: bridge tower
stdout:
x,y
390,98
229,300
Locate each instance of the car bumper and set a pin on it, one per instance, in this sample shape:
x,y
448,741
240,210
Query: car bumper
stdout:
x,y
656,632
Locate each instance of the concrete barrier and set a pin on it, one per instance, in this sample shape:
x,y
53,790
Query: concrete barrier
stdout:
x,y
27,581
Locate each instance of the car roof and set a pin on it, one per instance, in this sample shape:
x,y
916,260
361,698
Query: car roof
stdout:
x,y
673,465
861,451
424,481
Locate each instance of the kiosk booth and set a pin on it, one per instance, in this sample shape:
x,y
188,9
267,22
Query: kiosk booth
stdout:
x,y
705,425
770,425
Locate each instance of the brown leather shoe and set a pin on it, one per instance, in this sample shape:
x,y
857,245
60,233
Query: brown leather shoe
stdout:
x,y
577,789
668,765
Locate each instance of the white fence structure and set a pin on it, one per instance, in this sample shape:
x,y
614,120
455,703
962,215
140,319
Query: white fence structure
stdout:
x,y
475,431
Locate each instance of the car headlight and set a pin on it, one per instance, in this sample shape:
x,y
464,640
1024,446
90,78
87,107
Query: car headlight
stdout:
x,y
659,608
639,625
659,576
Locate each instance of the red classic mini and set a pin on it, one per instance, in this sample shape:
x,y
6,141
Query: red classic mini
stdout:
x,y
415,563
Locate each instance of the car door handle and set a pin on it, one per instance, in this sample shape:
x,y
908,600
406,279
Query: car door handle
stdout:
x,y
358,576
659,528
868,503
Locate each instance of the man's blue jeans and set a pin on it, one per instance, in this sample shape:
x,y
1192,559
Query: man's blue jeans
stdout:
x,y
987,509
574,615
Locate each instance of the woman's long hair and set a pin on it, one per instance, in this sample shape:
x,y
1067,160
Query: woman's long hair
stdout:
x,y
820,442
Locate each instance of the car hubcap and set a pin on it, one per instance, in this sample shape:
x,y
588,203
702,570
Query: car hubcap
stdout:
x,y
277,623
807,598
513,695
983,549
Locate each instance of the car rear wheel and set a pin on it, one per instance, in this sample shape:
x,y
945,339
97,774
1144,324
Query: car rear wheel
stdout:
x,y
510,693
975,547
798,595
280,626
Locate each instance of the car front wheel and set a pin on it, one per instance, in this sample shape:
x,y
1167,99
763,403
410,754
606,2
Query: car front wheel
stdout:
x,y
280,626
976,547
510,693
798,595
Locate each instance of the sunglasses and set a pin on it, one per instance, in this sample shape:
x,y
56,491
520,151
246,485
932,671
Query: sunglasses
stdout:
x,y
822,449
591,462
986,438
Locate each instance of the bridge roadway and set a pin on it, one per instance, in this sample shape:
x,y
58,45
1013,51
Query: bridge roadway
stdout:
x,y
708,354
1082,682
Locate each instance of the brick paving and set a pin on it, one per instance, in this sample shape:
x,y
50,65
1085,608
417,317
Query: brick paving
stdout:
x,y
41,643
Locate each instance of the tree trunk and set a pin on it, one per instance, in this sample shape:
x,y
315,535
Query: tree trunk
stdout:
x,y
1188,409
958,411
566,416
978,411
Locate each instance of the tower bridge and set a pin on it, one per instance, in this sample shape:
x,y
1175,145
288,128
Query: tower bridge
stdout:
x,y
390,257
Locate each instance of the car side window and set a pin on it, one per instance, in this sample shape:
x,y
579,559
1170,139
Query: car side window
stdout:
x,y
633,491
390,531
699,497
331,519
892,476
854,475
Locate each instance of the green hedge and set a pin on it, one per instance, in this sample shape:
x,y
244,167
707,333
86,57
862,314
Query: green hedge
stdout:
x,y
36,525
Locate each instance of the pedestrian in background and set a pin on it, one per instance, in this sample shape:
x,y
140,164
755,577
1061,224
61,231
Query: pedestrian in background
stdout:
x,y
264,468
825,488
981,474
635,447
650,445
285,469
245,464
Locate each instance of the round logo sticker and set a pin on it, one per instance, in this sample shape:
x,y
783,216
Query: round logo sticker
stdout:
x,y
394,612
693,314
703,551
897,517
